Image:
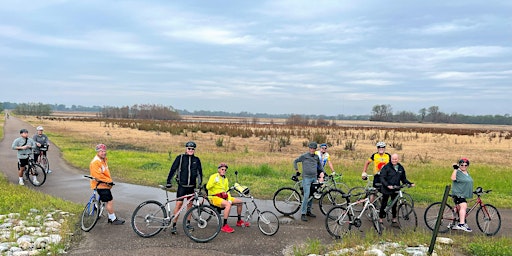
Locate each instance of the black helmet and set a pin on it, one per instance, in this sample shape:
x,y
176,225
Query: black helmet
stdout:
x,y
190,144
23,131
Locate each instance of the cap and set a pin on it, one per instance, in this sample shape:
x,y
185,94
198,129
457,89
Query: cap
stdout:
x,y
313,145
23,131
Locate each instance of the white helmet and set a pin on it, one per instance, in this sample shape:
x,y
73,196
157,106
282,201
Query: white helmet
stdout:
x,y
381,144
39,128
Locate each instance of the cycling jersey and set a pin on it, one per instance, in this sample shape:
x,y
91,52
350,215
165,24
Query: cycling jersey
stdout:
x,y
379,161
324,158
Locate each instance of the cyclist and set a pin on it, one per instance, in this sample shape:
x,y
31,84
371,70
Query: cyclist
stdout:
x,y
379,159
218,194
24,145
462,189
391,175
325,158
189,175
99,170
41,141
310,165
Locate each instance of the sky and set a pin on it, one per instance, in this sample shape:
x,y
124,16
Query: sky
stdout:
x,y
278,56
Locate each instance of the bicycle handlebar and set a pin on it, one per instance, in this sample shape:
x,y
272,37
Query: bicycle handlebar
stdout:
x,y
99,181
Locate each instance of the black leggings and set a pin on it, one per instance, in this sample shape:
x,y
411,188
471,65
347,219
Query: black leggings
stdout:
x,y
384,203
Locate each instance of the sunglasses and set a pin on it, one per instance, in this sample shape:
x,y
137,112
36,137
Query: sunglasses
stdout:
x,y
463,165
191,149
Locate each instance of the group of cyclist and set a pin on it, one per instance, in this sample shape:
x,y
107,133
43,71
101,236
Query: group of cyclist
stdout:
x,y
27,146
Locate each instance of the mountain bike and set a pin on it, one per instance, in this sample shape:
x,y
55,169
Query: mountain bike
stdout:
x,y
151,217
406,215
488,218
43,159
34,172
94,208
287,200
341,219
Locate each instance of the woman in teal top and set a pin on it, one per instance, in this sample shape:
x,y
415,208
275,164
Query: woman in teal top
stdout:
x,y
462,188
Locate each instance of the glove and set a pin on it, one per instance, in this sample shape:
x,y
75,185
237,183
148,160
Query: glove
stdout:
x,y
297,174
455,166
169,185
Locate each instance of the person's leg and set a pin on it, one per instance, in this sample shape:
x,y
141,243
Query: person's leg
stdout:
x,y
393,207
383,204
462,212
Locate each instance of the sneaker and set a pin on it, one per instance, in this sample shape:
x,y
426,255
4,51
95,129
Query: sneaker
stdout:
x,y
21,183
189,227
464,227
310,214
303,217
117,221
174,230
35,182
226,228
242,223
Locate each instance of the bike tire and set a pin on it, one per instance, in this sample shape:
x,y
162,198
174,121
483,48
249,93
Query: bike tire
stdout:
x,y
447,221
36,175
374,214
330,199
205,222
287,201
90,215
149,218
268,223
45,163
338,221
406,198
407,218
488,219
356,194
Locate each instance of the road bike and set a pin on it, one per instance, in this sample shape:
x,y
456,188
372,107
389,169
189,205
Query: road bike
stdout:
x,y
341,219
267,221
488,218
94,208
34,172
287,200
358,192
43,159
406,215
151,217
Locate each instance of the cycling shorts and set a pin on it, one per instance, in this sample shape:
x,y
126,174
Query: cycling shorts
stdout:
x,y
23,162
459,200
182,191
105,195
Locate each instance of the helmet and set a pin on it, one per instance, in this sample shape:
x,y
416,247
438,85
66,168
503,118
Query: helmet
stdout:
x,y
39,128
464,160
101,147
381,144
323,145
190,144
313,145
222,165
23,131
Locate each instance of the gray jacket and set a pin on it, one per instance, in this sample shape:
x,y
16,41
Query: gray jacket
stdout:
x,y
19,142
310,165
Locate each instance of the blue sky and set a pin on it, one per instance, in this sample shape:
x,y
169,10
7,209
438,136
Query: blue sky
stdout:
x,y
275,56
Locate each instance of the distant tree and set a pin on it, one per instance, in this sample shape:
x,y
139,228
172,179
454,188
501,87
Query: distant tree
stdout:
x,y
381,113
423,113
297,120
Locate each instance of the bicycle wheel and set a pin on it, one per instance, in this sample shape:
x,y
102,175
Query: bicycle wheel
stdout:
x,y
331,198
36,175
90,215
488,219
356,194
447,221
149,218
406,198
44,163
338,221
374,214
268,223
407,218
205,222
287,200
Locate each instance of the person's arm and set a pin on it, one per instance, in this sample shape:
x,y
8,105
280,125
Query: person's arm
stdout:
x,y
365,168
199,173
295,165
454,175
330,165
173,169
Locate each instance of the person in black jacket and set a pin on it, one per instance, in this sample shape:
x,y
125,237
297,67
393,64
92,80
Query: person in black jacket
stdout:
x,y
390,176
189,175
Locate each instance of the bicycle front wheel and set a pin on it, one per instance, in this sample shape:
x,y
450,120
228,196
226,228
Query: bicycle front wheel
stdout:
x,y
338,221
447,220
488,219
407,218
205,223
36,175
268,223
44,163
287,200
330,199
356,194
149,218
90,215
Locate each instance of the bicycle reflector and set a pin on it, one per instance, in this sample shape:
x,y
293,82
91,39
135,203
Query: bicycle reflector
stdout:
x,y
241,189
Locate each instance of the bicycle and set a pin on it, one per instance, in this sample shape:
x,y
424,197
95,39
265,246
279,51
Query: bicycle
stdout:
x,y
358,192
34,172
287,200
151,217
340,219
267,221
43,159
488,218
406,215
94,208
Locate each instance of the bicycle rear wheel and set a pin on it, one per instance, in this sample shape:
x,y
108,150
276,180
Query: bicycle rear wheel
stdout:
x,y
338,221
447,220
44,163
407,218
488,219
268,223
90,215
356,194
149,218
36,175
331,198
287,201
205,222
